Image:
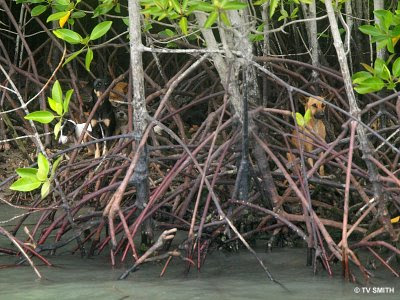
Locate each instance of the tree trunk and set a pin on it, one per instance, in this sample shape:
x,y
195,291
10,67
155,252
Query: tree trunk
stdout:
x,y
313,34
379,4
349,22
140,176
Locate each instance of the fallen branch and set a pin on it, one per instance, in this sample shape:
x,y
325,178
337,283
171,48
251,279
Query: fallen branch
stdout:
x,y
165,236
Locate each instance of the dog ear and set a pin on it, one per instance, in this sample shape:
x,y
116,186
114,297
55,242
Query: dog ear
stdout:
x,y
327,96
303,100
85,83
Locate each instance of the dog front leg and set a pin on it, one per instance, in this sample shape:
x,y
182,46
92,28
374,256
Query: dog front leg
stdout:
x,y
310,162
97,152
321,168
104,148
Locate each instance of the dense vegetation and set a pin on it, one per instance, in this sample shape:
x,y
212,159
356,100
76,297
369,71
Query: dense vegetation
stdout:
x,y
209,98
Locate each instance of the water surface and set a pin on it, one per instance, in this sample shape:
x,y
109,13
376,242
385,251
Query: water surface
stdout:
x,y
224,276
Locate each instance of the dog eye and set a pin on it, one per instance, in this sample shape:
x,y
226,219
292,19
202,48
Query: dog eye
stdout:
x,y
315,105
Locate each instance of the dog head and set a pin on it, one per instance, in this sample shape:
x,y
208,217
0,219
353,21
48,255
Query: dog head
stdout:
x,y
316,107
121,115
99,86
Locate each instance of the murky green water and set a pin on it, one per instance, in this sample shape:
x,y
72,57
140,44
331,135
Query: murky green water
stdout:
x,y
224,276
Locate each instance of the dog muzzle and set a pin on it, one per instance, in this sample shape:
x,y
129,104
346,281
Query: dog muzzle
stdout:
x,y
319,115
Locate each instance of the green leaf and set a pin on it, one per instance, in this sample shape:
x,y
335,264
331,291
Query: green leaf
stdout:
x,y
43,167
55,166
380,38
299,119
395,32
380,69
234,5
117,8
203,6
60,7
391,85
152,10
55,106
56,92
57,129
390,45
86,40
78,14
261,2
183,25
370,85
284,13
42,116
396,19
307,116
385,17
370,30
88,59
66,100
100,30
62,2
184,5
168,32
293,15
378,66
368,68
360,76
27,172
38,10
72,56
272,7
56,16
256,37
386,73
103,9
211,19
147,27
45,190
162,16
225,19
389,59
176,6
25,184
381,44
396,68
67,35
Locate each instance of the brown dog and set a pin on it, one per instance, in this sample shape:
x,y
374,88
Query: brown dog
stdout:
x,y
315,127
